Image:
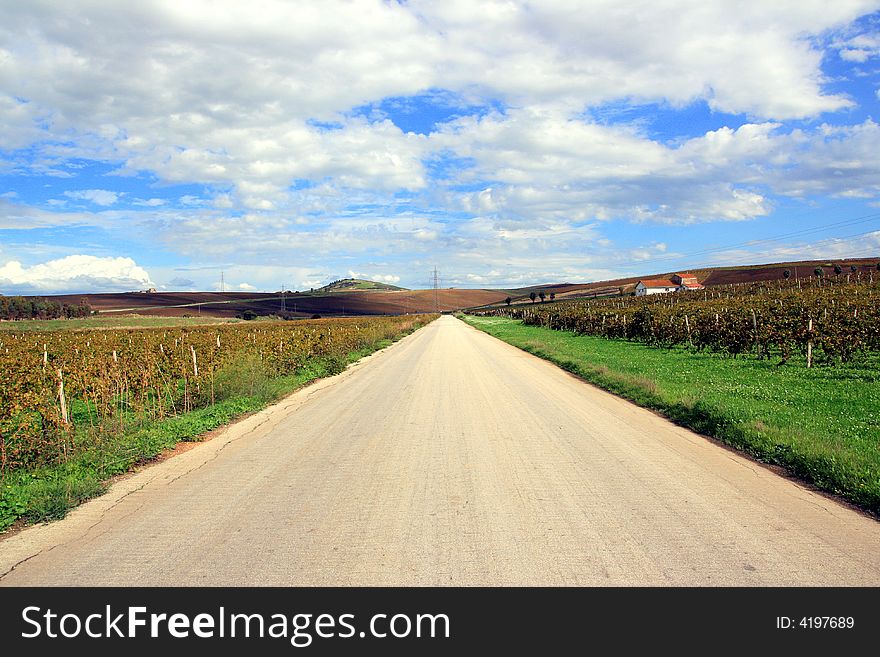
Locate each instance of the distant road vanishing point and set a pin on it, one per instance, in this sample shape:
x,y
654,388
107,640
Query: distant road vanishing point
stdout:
x,y
451,458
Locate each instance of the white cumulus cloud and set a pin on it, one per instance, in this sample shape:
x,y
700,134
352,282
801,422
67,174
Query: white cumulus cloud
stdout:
x,y
860,48
102,197
379,278
73,274
241,89
274,120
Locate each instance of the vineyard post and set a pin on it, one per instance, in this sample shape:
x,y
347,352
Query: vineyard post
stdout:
x,y
810,343
687,325
61,398
195,363
755,330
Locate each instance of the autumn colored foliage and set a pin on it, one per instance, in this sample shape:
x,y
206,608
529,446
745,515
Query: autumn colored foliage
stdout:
x,y
150,372
835,319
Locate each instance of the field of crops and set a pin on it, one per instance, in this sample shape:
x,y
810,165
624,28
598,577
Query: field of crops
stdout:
x,y
827,321
53,383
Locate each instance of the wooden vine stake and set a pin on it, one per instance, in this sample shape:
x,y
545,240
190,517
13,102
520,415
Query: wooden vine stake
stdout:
x,y
61,399
195,363
755,330
810,343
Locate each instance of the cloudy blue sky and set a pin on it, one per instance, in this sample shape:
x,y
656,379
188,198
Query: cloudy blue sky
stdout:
x,y
506,143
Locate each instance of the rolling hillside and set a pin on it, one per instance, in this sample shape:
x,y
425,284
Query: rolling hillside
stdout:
x,y
706,276
362,297
303,304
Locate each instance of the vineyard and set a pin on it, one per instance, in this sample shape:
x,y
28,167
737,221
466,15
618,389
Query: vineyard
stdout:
x,y
55,386
827,322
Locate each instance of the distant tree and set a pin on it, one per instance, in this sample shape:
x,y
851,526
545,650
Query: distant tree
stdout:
x,y
878,266
508,300
18,307
552,296
786,273
542,295
316,316
532,296
818,271
838,270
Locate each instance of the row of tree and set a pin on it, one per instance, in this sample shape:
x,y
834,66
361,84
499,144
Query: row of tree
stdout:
x,y
40,308
533,296
838,270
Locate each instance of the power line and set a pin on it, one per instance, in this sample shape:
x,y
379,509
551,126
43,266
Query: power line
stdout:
x,y
869,249
806,231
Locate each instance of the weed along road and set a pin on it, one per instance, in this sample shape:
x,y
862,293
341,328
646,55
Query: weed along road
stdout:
x,y
452,458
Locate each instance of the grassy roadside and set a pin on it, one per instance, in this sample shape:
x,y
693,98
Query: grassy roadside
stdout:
x,y
822,424
47,493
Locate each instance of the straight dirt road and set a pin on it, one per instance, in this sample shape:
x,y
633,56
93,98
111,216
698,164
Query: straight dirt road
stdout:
x,y
452,458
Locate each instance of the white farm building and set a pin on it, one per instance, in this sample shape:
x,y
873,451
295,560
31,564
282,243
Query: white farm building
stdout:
x,y
675,283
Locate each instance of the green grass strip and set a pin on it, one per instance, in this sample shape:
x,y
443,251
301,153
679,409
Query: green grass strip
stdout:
x,y
822,424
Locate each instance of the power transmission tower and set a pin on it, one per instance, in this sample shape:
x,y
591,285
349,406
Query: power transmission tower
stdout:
x,y
436,285
222,282
283,300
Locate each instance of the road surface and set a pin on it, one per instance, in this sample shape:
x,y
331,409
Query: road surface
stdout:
x,y
452,458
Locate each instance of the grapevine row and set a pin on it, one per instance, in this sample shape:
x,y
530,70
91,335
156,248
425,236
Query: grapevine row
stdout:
x,y
149,372
831,322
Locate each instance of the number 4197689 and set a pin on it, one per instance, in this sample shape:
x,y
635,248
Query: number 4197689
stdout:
x,y
815,623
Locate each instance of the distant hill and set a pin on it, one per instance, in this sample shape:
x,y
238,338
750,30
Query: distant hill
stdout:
x,y
361,297
292,304
355,284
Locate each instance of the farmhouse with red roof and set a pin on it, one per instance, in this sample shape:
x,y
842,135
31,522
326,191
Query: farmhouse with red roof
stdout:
x,y
675,283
